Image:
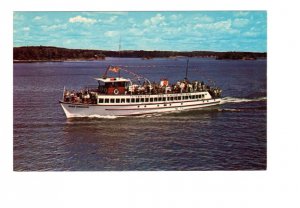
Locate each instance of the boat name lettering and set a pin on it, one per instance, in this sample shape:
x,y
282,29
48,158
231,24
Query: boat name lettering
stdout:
x,y
78,106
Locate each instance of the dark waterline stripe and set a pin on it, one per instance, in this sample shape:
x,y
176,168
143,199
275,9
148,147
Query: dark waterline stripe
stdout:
x,y
112,109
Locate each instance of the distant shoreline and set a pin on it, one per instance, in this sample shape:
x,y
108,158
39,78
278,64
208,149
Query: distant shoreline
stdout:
x,y
30,54
86,60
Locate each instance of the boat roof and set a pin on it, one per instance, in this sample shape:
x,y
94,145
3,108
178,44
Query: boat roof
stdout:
x,y
112,79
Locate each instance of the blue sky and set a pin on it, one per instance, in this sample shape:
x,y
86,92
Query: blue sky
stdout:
x,y
179,31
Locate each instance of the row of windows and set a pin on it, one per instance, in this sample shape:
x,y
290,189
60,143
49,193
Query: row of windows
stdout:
x,y
156,99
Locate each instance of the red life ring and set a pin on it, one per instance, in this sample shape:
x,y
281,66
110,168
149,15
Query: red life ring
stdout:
x,y
116,91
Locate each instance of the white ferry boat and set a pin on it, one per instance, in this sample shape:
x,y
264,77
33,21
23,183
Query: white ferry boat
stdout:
x,y
118,96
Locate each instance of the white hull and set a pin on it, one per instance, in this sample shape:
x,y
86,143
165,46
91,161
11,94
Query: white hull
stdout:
x,y
125,109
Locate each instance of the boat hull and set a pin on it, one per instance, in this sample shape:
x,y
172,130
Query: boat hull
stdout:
x,y
100,110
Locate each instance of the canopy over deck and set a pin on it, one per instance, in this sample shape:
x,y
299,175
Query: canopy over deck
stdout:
x,y
113,79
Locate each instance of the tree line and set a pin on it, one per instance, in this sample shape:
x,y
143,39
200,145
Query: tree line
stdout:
x,y
49,53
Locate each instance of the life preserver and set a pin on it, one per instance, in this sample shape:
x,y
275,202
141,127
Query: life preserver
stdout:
x,y
116,91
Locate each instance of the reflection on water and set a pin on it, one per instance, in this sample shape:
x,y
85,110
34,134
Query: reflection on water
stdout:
x,y
131,143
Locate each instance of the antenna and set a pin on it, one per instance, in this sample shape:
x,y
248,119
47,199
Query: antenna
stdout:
x,y
119,54
186,70
120,47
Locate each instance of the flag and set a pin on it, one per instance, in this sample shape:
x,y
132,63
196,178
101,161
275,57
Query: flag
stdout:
x,y
114,69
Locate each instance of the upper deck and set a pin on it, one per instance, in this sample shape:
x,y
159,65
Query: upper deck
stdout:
x,y
112,79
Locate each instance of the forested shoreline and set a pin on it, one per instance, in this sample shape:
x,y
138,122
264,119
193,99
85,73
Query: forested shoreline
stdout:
x,y
50,53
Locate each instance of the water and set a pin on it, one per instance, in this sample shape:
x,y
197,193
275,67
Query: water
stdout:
x,y
229,137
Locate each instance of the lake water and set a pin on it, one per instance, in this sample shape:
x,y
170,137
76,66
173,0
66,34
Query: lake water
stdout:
x,y
229,137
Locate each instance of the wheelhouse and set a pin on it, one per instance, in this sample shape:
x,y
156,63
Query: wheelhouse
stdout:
x,y
113,85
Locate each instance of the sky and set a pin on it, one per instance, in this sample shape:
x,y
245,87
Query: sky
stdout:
x,y
172,31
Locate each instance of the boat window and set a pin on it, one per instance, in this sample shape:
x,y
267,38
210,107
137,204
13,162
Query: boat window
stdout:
x,y
155,99
171,98
197,96
146,99
164,98
179,97
106,100
112,100
151,99
122,100
186,97
127,100
101,100
193,97
117,100
142,100
168,98
132,100
175,98
159,99
138,100
190,97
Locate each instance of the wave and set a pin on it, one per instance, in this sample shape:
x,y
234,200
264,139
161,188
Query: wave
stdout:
x,y
229,110
241,100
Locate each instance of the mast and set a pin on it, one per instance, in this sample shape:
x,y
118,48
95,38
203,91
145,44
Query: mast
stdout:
x,y
186,70
119,54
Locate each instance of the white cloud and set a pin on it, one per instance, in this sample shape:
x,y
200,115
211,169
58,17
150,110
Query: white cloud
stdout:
x,y
221,25
136,31
111,33
67,42
175,17
54,27
172,30
240,22
250,34
131,20
112,19
37,18
26,28
81,19
18,16
204,18
241,14
156,40
104,13
157,19
108,21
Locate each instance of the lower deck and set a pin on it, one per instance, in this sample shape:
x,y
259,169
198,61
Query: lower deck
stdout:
x,y
150,99
125,109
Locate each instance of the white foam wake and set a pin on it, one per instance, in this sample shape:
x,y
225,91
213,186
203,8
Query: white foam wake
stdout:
x,y
107,117
241,100
94,116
